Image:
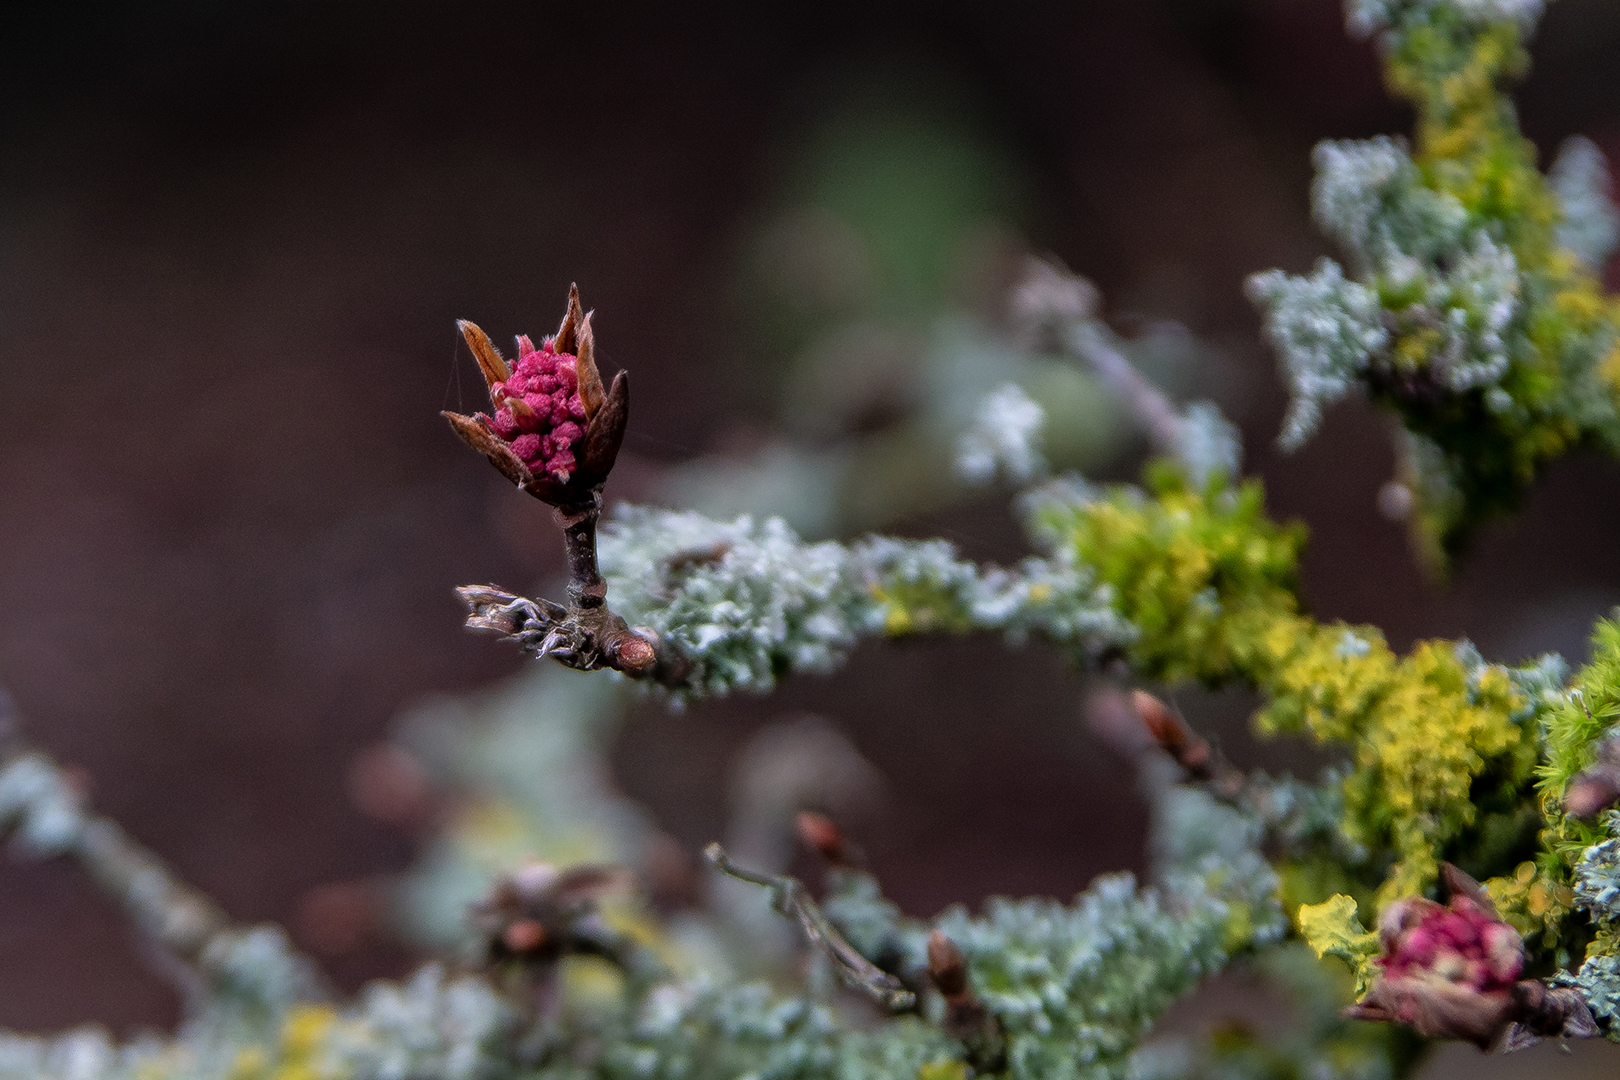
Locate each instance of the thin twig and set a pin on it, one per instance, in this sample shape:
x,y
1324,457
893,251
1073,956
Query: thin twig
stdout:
x,y
789,897
1090,341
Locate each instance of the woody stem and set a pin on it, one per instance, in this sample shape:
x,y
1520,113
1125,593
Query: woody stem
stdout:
x,y
585,585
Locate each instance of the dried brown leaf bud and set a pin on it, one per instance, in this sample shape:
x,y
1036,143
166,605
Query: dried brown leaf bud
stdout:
x,y
947,966
490,363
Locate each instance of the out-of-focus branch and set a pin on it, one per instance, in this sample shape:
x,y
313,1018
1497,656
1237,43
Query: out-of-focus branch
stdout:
x,y
789,897
1090,341
45,815
1052,301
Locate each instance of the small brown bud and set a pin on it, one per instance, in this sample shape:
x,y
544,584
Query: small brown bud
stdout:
x,y
1174,738
820,833
337,918
947,966
523,936
389,785
635,654
1592,791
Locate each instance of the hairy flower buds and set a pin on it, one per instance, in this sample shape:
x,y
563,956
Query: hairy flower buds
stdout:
x,y
1452,972
554,431
1448,972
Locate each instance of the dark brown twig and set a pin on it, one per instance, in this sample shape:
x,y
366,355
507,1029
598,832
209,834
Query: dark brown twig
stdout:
x,y
789,897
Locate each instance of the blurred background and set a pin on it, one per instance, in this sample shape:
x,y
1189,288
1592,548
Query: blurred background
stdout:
x,y
233,243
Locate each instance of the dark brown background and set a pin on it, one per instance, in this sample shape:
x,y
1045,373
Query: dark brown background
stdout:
x,y
233,239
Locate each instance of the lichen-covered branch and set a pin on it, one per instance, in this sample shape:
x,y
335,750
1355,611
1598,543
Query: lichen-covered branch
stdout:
x,y
197,944
1053,302
1473,307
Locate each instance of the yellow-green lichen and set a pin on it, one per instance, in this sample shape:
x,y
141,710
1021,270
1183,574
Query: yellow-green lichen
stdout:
x,y
1209,581
301,1053
1332,929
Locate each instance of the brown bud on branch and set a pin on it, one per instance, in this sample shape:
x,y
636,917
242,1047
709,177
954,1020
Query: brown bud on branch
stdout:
x,y
1190,751
540,913
947,967
555,433
966,1018
820,833
1597,787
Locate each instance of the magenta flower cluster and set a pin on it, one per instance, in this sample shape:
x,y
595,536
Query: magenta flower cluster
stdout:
x,y
538,409
1462,944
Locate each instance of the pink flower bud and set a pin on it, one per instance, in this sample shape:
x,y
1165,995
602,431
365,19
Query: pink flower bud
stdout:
x,y
1462,943
536,406
553,429
1449,972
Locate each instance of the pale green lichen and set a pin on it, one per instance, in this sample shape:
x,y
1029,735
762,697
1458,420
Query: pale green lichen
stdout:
x,y
1475,310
